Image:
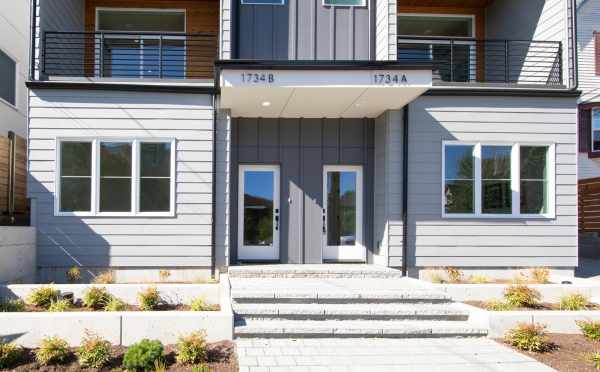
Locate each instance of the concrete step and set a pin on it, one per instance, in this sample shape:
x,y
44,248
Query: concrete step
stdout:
x,y
351,311
354,328
324,271
317,296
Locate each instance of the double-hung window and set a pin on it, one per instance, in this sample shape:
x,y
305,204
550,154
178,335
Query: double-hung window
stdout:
x,y
498,180
8,76
595,130
115,177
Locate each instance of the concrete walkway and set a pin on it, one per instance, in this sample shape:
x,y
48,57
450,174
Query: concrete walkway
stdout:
x,y
381,355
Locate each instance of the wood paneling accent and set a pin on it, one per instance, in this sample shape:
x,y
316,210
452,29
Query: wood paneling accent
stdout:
x,y
21,204
588,200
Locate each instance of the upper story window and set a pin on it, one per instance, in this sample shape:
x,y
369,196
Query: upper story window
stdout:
x,y
439,25
150,20
8,78
263,2
345,2
596,130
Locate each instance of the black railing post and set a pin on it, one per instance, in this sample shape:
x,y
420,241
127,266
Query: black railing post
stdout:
x,y
160,56
101,72
506,61
560,66
452,60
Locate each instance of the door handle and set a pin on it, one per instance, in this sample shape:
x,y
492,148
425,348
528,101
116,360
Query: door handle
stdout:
x,y
276,219
324,221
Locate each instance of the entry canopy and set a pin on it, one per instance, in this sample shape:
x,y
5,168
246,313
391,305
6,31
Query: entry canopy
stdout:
x,y
300,89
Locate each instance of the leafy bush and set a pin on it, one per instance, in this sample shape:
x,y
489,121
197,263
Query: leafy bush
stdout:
x,y
198,304
43,296
590,329
455,275
107,277
528,337
10,354
12,306
142,355
94,351
74,274
52,350
573,302
149,299
192,349
59,306
520,295
201,368
478,279
96,297
498,306
539,275
115,304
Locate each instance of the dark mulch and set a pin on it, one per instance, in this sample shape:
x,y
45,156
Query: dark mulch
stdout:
x,y
570,354
540,306
221,358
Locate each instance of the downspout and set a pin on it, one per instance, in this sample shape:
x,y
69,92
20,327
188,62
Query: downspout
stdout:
x,y
405,191
33,13
575,41
213,248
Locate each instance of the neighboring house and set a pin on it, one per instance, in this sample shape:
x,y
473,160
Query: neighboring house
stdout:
x,y
388,132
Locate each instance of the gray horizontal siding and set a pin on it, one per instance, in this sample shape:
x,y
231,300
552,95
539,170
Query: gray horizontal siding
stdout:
x,y
435,241
588,21
181,241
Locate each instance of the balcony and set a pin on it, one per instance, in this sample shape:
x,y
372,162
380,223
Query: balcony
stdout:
x,y
126,56
469,61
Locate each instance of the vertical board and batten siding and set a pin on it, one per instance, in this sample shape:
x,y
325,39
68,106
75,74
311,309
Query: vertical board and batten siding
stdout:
x,y
588,22
180,241
385,30
304,30
225,29
222,181
434,241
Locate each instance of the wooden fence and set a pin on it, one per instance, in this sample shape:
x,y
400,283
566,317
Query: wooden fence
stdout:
x,y
588,201
14,206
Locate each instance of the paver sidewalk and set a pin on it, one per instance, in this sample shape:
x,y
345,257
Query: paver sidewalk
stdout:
x,y
381,355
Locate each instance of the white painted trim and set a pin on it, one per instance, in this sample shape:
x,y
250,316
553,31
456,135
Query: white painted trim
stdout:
x,y
273,2
592,128
363,3
16,79
515,181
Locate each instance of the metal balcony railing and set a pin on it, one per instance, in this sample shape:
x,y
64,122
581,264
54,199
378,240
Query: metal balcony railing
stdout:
x,y
465,60
129,55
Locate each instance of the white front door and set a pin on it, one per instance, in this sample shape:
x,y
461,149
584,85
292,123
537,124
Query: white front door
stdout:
x,y
342,213
258,212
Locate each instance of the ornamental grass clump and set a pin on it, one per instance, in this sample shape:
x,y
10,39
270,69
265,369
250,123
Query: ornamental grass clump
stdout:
x,y
590,329
59,306
529,337
143,356
574,302
198,304
539,275
96,297
52,350
200,368
115,304
43,297
149,299
595,359
94,352
455,275
498,306
520,295
478,279
12,306
10,355
192,349
107,277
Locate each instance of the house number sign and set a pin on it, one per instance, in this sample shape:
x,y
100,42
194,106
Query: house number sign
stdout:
x,y
389,79
258,78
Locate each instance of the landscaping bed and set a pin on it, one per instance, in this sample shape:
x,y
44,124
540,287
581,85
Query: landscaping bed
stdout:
x,y
539,306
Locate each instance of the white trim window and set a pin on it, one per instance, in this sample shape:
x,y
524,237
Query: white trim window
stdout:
x,y
115,177
595,130
498,180
8,79
344,3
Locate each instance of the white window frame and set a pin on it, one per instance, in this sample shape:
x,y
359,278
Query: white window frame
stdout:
x,y
272,2
363,3
515,170
16,79
135,177
592,111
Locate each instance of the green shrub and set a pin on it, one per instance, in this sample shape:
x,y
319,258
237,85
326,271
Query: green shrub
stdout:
x,y
528,337
52,350
12,306
59,306
115,304
74,274
149,299
142,355
573,302
590,329
498,306
198,304
96,297
519,295
94,351
43,296
192,349
10,354
200,368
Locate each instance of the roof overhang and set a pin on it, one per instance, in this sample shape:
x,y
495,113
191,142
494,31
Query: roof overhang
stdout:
x,y
300,89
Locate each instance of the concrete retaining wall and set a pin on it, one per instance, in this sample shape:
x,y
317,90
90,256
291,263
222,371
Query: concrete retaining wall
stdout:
x,y
18,255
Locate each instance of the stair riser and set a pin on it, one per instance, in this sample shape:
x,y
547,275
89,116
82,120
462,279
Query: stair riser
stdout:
x,y
351,317
341,301
308,275
354,335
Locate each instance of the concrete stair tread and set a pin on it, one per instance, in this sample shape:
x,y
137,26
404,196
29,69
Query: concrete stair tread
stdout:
x,y
307,294
314,271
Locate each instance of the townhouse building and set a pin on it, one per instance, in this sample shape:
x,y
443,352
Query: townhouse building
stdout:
x,y
192,135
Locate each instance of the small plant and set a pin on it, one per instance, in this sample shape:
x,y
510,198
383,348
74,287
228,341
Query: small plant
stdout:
x,y
74,274
115,304
539,275
478,279
149,299
498,306
201,368
159,366
435,276
52,350
12,306
192,349
455,275
10,354
164,275
107,277
520,278
590,329
520,295
43,297
198,304
142,355
59,306
528,337
573,302
595,359
96,297
94,352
